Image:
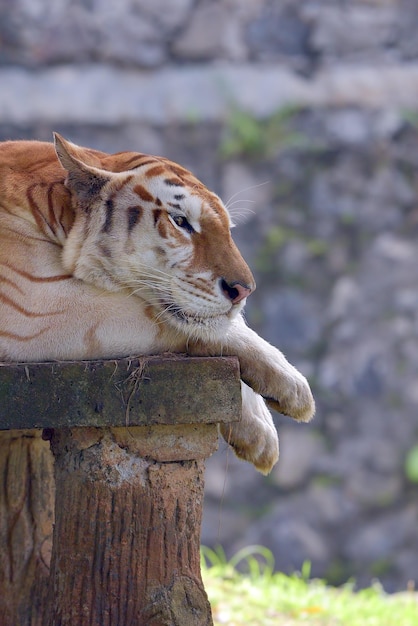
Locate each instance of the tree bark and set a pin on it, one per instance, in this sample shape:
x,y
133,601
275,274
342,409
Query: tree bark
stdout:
x,y
26,519
127,532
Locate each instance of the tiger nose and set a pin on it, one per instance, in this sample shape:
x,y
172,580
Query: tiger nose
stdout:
x,y
236,291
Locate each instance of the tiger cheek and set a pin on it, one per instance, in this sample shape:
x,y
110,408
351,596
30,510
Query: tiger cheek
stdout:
x,y
160,253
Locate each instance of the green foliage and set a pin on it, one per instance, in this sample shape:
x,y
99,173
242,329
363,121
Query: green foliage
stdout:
x,y
317,247
247,136
244,136
256,561
262,597
326,480
411,464
381,567
337,572
276,238
411,116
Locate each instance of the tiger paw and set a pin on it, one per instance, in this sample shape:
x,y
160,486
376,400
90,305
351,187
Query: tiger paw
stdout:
x,y
254,438
267,371
292,397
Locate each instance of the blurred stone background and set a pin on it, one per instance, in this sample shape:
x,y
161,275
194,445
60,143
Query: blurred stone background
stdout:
x,y
303,116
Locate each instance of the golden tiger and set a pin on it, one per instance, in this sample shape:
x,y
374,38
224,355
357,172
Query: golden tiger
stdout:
x,y
104,256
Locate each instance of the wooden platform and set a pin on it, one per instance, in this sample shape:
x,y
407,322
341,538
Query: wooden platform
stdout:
x,y
106,530
135,392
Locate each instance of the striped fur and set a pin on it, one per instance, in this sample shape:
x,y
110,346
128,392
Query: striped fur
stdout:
x,y
104,256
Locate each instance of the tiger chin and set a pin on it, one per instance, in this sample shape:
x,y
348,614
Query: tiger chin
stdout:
x,y
104,256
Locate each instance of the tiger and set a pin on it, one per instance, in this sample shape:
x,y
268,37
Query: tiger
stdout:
x,y
105,256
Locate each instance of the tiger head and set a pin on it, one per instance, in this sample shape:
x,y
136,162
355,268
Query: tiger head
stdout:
x,y
146,226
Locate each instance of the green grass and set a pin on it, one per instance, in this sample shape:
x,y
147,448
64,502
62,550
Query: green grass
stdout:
x,y
261,597
248,136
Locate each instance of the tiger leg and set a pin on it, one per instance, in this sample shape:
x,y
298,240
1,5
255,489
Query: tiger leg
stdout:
x,y
254,438
266,370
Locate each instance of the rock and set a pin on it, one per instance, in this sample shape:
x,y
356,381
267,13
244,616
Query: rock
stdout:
x,y
212,31
291,536
349,126
299,450
171,15
288,319
345,297
371,489
279,31
332,508
381,537
355,33
244,193
221,525
394,249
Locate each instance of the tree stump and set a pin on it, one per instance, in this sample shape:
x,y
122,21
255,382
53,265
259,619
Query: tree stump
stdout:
x,y
26,518
129,439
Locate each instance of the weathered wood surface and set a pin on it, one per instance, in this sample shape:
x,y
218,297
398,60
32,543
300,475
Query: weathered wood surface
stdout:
x,y
27,491
148,390
129,499
127,532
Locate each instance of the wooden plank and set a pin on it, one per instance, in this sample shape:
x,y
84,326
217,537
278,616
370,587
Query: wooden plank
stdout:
x,y
171,389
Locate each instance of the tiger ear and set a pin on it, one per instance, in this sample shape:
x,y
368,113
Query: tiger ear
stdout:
x,y
85,181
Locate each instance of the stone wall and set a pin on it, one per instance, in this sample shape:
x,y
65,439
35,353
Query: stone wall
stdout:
x,y
304,114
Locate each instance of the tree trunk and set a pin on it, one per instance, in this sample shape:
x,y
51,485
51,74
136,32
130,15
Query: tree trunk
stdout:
x,y
127,532
26,519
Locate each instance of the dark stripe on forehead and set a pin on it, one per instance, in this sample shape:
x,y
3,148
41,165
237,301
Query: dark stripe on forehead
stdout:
x,y
140,164
109,215
126,161
160,224
136,160
143,193
135,157
134,216
155,171
174,182
180,171
162,229
157,215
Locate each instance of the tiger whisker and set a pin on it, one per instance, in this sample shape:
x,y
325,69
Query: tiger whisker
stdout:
x,y
239,202
241,216
228,203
